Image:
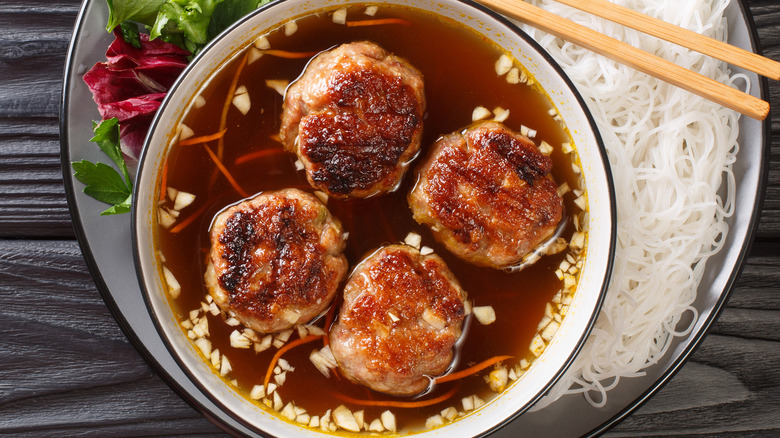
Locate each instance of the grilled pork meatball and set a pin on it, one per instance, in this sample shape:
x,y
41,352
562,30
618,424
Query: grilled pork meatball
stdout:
x,y
401,316
276,260
354,118
487,195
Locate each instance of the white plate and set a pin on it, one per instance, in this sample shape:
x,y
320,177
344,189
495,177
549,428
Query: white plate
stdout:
x,y
106,244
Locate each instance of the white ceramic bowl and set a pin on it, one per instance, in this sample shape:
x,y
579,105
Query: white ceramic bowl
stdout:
x,y
601,224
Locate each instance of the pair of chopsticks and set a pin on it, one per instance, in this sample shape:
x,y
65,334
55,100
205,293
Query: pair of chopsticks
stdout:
x,y
642,61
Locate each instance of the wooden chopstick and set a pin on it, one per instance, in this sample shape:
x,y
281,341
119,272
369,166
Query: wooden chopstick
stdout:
x,y
678,35
631,56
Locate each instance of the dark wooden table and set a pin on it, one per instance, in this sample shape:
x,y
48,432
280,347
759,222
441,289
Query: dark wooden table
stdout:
x,y
66,369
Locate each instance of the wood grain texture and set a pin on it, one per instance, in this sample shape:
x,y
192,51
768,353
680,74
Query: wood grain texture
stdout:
x,y
67,369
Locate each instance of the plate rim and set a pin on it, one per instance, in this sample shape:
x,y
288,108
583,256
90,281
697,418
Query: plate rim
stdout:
x,y
691,343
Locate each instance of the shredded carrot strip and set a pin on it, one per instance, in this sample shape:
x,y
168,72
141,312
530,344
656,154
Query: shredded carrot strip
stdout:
x,y
258,154
287,347
228,99
164,180
471,370
397,403
183,224
378,21
202,139
225,172
289,55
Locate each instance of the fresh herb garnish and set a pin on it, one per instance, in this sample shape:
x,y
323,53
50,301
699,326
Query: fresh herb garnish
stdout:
x,y
130,34
102,181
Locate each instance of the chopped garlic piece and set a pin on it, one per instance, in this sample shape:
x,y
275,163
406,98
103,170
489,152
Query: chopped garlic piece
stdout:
x,y
204,345
290,27
278,85
545,148
388,420
257,392
578,240
434,421
497,379
262,43
566,148
277,406
413,239
426,250
199,101
503,65
485,314
344,418
480,113
264,344
371,10
253,55
581,202
289,411
449,413
549,331
500,114
315,330
174,288
242,102
225,367
376,426
468,403
569,281
165,218
183,199
513,76
171,193
563,189
340,16
359,418
185,132
238,340
537,346
215,358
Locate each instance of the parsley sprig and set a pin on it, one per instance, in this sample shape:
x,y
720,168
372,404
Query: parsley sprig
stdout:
x,y
102,181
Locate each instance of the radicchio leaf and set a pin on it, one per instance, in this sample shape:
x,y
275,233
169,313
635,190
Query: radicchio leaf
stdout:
x,y
131,84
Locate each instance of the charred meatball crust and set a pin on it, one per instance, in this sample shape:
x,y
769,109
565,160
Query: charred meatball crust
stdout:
x,y
276,260
354,118
487,195
402,314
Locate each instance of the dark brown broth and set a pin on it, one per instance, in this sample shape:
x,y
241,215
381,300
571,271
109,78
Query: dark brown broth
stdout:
x,y
459,74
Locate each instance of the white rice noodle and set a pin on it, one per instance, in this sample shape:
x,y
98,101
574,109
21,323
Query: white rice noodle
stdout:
x,y
671,155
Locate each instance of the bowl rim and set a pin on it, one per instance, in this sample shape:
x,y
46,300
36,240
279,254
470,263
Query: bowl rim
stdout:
x,y
513,29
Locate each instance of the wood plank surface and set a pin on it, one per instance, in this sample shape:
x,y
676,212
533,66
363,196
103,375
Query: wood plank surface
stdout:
x,y
68,370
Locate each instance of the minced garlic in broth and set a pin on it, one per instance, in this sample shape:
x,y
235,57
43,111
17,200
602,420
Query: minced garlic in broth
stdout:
x,y
460,74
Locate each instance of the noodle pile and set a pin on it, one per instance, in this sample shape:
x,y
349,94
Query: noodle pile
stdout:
x,y
671,155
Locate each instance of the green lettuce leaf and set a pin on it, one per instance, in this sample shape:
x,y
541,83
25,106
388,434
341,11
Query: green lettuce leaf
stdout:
x,y
142,11
189,17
